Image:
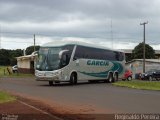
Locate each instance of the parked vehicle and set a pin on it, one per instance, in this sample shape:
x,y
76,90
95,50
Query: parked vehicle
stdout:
x,y
15,68
151,75
128,75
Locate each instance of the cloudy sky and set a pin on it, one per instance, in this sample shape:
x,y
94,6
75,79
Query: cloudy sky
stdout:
x,y
111,23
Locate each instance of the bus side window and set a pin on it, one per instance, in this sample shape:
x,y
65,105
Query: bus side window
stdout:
x,y
121,56
117,56
86,56
67,59
78,53
63,60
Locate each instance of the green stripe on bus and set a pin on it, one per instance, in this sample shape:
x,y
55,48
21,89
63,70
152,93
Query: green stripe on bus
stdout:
x,y
116,67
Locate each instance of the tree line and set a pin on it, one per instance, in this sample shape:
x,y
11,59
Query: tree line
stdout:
x,y
8,57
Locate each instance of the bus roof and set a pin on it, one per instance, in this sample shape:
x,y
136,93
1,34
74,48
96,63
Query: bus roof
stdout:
x,y
63,43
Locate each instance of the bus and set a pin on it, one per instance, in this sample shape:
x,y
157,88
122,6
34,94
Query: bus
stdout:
x,y
75,61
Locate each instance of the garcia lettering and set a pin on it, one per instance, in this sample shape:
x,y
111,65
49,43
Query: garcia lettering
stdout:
x,y
97,62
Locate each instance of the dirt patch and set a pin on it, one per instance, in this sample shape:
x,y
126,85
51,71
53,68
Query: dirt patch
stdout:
x,y
18,111
44,112
59,111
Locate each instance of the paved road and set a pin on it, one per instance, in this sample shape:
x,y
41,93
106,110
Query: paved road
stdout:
x,y
96,98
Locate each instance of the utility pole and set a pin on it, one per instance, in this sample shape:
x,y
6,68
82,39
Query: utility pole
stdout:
x,y
34,43
144,23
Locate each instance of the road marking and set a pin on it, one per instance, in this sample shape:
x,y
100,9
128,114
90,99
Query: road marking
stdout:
x,y
42,111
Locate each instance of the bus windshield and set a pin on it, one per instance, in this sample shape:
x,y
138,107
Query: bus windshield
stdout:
x,y
48,59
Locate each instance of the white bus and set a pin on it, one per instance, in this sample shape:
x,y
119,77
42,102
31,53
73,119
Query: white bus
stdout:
x,y
73,62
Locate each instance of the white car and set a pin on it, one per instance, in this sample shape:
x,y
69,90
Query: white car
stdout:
x,y
15,68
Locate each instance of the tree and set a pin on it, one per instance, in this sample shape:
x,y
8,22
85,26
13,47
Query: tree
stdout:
x,y
137,52
4,57
14,54
8,57
30,49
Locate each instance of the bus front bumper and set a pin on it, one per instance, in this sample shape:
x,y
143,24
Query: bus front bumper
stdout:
x,y
47,76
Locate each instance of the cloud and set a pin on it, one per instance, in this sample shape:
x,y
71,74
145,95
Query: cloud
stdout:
x,y
50,10
85,19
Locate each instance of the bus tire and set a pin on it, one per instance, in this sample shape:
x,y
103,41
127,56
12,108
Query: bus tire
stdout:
x,y
50,83
110,78
73,78
115,77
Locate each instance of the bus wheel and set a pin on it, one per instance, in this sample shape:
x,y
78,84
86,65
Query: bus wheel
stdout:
x,y
50,83
110,78
115,77
73,79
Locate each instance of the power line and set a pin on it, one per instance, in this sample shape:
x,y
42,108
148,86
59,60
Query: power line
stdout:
x,y
116,38
14,41
15,33
51,35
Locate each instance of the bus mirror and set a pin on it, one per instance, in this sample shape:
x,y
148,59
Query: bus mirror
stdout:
x,y
62,52
75,58
63,59
35,53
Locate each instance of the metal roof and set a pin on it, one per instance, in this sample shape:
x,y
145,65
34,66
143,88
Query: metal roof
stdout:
x,y
147,60
130,51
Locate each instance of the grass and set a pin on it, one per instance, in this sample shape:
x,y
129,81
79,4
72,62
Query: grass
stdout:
x,y
137,84
5,97
4,73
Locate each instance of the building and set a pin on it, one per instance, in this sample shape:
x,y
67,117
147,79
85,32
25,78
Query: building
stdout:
x,y
26,63
128,52
136,65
